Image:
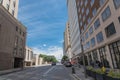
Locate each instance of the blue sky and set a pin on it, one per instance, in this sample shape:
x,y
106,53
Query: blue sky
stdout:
x,y
45,21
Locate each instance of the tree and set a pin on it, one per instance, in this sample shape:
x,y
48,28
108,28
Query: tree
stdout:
x,y
48,58
64,58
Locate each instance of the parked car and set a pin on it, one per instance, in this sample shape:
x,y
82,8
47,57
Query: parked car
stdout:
x,y
53,63
68,64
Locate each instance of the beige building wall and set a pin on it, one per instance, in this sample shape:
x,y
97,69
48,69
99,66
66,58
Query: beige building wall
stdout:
x,y
105,49
12,41
28,56
11,6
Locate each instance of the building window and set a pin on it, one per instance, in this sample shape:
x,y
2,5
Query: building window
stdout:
x,y
91,30
94,11
92,2
14,3
7,6
110,30
83,10
99,37
89,19
106,13
95,55
102,2
83,39
103,58
13,12
119,18
116,3
0,1
88,45
16,28
86,35
86,1
115,54
93,42
87,11
97,23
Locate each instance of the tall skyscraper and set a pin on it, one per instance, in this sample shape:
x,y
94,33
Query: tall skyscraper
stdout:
x,y
74,28
11,6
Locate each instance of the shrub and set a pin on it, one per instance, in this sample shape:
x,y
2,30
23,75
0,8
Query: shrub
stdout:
x,y
113,74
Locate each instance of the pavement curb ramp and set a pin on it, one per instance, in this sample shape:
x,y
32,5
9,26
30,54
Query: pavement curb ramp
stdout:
x,y
76,77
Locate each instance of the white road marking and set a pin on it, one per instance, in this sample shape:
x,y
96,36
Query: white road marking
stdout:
x,y
45,74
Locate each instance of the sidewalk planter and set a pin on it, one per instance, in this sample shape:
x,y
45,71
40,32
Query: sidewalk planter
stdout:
x,y
93,74
88,72
113,75
100,76
110,78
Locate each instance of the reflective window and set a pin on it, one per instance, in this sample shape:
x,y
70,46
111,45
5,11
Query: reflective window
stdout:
x,y
86,35
94,11
99,37
93,42
110,30
92,2
89,19
97,23
116,3
83,10
91,30
115,53
102,2
103,58
106,13
87,11
88,45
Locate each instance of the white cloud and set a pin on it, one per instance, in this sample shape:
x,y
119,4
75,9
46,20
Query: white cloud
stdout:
x,y
52,50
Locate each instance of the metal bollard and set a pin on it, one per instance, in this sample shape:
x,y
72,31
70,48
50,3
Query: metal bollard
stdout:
x,y
73,70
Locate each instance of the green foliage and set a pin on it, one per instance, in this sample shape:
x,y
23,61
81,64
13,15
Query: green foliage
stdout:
x,y
64,58
114,74
100,71
48,58
90,68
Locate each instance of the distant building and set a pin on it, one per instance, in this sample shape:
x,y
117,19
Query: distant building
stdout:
x,y
67,42
12,41
28,57
11,6
37,60
74,29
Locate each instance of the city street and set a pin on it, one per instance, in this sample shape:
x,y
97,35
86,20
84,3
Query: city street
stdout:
x,y
58,72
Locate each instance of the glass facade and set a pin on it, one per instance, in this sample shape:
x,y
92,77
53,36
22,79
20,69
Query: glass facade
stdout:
x,y
115,53
102,2
86,35
99,37
110,30
106,13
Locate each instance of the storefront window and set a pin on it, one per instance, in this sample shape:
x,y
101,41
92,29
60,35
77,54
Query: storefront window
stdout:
x,y
103,57
115,54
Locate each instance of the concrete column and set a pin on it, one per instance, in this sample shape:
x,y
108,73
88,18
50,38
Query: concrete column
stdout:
x,y
98,54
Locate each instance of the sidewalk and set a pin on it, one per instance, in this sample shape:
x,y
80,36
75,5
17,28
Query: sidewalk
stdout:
x,y
80,74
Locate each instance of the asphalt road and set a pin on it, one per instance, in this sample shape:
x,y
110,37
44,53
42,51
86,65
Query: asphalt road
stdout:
x,y
58,72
